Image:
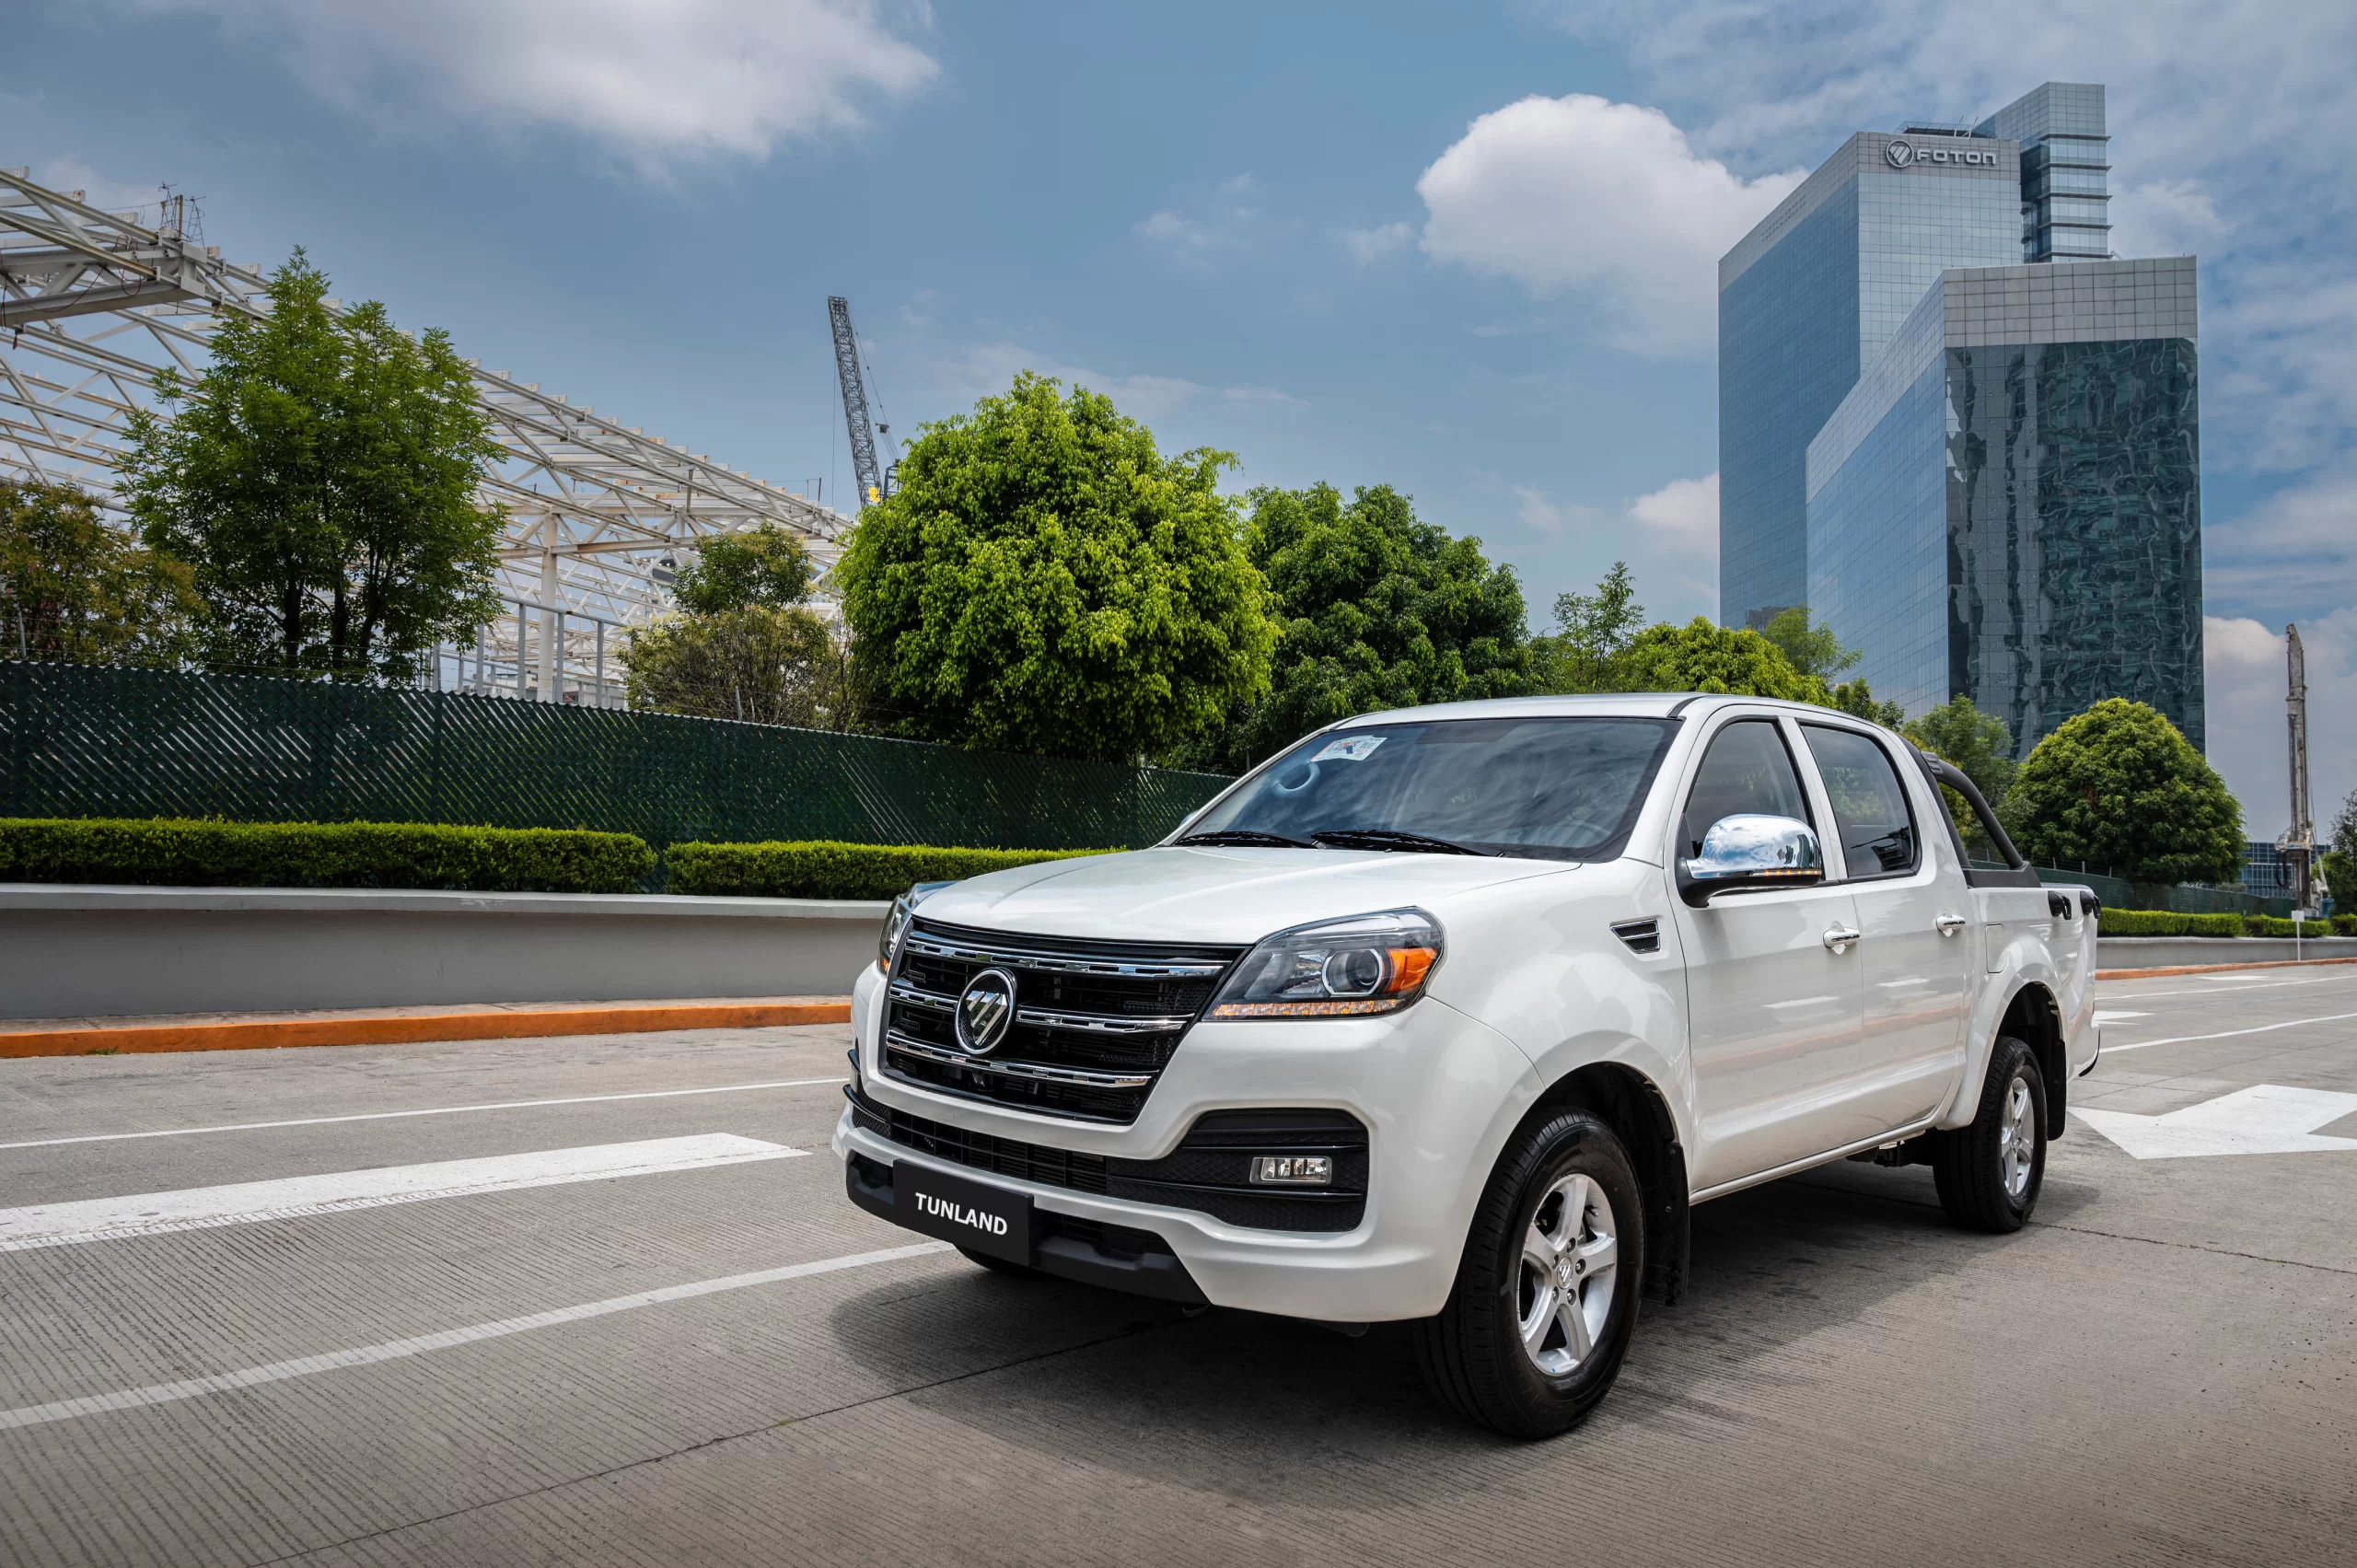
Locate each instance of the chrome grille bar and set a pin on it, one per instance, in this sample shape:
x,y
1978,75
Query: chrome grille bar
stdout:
x,y
1040,1071
1061,963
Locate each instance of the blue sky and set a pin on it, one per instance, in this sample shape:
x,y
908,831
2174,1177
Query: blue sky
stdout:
x,y
1465,250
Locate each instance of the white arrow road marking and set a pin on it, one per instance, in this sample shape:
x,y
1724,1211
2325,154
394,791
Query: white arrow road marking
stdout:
x,y
394,1350
198,1208
2265,1119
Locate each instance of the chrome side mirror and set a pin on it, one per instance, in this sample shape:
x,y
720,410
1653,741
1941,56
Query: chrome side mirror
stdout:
x,y
1751,851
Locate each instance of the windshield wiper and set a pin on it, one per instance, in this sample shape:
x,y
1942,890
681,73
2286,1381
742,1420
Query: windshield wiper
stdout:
x,y
1240,838
1391,839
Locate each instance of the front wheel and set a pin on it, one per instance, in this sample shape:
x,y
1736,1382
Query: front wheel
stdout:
x,y
1988,1173
1546,1295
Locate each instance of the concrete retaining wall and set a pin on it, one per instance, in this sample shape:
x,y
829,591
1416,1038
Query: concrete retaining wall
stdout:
x,y
2171,952
68,952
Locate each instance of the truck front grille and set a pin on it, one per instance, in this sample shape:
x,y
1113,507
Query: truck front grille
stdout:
x,y
1095,1022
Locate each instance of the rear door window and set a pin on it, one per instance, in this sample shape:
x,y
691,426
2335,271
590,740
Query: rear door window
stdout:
x,y
1870,809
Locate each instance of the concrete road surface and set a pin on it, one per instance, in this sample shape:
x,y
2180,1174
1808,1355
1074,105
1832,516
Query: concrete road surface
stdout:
x,y
601,1300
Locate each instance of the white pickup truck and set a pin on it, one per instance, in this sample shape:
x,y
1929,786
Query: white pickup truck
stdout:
x,y
1451,1014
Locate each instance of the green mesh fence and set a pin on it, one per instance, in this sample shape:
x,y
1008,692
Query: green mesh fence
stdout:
x,y
81,740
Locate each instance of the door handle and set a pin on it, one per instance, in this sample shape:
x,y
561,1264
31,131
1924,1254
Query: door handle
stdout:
x,y
1950,924
1839,938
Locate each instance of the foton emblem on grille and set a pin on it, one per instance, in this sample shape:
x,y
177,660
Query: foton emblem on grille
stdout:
x,y
984,1010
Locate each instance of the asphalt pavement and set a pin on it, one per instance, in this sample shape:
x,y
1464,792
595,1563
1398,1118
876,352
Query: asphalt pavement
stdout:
x,y
601,1300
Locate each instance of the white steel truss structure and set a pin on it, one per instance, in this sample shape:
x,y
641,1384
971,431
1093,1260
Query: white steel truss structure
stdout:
x,y
93,304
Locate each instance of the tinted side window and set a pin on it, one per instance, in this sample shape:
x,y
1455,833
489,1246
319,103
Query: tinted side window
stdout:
x,y
1746,770
1870,809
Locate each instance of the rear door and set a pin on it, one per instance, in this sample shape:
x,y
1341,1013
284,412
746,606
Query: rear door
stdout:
x,y
1775,1011
1914,949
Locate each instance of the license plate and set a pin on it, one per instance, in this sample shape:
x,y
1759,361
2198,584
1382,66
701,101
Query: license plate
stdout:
x,y
988,1219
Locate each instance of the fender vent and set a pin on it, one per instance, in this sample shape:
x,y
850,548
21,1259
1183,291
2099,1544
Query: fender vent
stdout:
x,y
1643,935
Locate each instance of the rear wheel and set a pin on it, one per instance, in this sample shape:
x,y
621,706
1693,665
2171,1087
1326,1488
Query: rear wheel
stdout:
x,y
1988,1173
1546,1296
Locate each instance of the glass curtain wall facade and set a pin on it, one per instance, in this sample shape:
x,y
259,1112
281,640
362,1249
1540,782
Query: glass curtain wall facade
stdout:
x,y
2009,505
1809,300
2066,169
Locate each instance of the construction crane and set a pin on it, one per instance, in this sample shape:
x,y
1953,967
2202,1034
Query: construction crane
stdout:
x,y
2298,842
870,473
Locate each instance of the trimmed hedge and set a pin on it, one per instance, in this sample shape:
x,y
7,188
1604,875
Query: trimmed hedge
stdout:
x,y
166,852
823,869
2276,925
2161,923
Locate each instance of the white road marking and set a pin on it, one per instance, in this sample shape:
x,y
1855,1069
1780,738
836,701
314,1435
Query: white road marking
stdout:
x,y
2103,1018
393,1350
434,1111
244,1203
2265,1119
2110,1049
2228,987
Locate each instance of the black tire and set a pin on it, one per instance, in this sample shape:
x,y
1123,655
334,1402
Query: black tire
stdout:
x,y
1472,1355
1000,1265
1988,1173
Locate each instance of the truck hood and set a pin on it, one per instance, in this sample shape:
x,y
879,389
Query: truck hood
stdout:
x,y
1188,894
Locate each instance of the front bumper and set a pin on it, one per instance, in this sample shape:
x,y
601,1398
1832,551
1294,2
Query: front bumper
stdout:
x,y
1437,1091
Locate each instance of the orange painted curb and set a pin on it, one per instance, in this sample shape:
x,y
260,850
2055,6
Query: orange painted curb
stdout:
x,y
407,1028
2215,968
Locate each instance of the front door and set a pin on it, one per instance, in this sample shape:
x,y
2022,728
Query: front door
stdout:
x,y
1775,1011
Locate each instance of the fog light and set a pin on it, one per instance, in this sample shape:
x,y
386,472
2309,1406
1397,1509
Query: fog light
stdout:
x,y
1293,1171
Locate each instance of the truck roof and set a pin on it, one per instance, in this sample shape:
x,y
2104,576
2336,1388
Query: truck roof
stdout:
x,y
1629,705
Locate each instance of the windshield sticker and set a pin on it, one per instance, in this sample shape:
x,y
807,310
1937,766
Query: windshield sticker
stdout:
x,y
1357,749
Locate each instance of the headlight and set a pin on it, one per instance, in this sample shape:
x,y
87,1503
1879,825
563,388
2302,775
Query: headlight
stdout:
x,y
1337,968
897,921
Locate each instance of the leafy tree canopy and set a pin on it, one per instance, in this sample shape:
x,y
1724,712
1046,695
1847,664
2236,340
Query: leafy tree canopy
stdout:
x,y
2339,862
1856,697
1700,657
760,663
764,564
1042,579
2118,788
1982,748
1379,609
1592,632
72,587
319,478
1812,647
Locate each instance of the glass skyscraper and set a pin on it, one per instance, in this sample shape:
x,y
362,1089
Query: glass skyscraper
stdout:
x,y
1963,438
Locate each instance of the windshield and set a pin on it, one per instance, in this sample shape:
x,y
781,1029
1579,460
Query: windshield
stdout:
x,y
1554,788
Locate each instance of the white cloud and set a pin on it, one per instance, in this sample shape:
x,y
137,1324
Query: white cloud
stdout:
x,y
2165,217
69,173
2302,538
1166,227
962,374
658,81
1368,245
1685,512
1581,192
1541,514
2245,708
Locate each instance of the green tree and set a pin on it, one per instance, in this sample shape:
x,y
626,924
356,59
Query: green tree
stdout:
x,y
1982,748
1700,657
1811,647
320,476
1042,579
746,646
72,587
2339,863
763,564
1378,609
1856,697
1592,633
761,663
2118,789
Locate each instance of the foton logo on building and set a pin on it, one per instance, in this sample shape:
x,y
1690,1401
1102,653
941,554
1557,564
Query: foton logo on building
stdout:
x,y
1907,155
